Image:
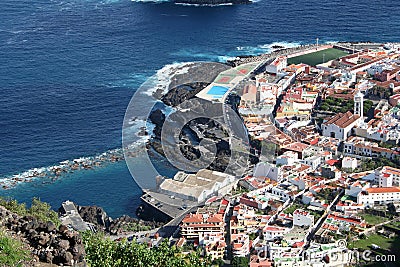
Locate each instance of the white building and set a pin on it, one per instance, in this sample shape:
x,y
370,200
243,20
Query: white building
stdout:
x,y
197,187
287,158
240,245
302,218
340,125
277,65
313,161
387,177
349,163
272,232
283,193
263,169
379,195
359,104
355,188
213,244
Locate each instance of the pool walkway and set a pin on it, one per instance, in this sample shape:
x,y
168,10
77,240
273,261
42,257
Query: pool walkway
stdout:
x,y
226,81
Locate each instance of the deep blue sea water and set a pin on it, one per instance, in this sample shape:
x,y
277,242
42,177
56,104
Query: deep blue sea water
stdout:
x,y
68,69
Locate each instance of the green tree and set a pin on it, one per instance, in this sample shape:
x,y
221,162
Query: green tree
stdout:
x,y
240,262
103,252
42,211
13,206
218,262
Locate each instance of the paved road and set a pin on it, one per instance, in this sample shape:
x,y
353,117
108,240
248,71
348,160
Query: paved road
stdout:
x,y
135,234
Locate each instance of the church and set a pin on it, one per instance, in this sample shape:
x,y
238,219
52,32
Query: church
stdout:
x,y
340,125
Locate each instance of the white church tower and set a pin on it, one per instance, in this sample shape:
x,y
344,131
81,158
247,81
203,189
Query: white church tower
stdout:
x,y
359,104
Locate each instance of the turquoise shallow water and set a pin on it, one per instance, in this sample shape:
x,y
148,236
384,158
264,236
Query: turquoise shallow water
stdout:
x,y
69,68
114,190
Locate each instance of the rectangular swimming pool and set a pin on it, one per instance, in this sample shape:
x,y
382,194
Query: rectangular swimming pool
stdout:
x,y
217,91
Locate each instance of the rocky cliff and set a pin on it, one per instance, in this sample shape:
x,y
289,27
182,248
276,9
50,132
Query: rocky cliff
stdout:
x,y
120,225
48,244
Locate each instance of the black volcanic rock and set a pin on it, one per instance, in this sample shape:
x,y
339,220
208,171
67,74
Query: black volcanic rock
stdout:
x,y
157,117
95,215
61,247
180,94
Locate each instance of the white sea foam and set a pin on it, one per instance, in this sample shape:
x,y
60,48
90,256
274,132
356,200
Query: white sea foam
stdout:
x,y
150,1
67,166
204,5
231,55
225,58
164,76
265,48
331,42
131,81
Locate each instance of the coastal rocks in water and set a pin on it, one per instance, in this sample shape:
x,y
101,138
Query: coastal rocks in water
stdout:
x,y
186,143
277,47
120,225
157,117
142,132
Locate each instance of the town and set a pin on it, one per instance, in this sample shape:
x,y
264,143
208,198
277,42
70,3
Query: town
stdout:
x,y
324,122
334,183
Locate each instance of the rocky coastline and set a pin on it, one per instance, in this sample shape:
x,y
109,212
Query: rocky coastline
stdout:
x,y
118,226
52,245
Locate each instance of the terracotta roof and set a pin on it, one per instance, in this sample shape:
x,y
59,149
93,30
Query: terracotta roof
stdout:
x,y
298,244
297,146
331,162
391,170
344,219
216,218
380,190
343,120
224,202
193,218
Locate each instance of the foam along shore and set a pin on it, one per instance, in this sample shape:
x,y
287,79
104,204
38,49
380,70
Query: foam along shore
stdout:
x,y
160,82
212,2
63,167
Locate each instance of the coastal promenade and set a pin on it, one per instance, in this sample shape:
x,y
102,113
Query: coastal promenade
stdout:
x,y
305,49
281,52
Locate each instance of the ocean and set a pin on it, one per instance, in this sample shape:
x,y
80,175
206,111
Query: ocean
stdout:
x,y
68,69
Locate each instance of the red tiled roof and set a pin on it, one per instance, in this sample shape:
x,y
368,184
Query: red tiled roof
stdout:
x,y
224,202
343,120
216,218
332,162
193,218
380,190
